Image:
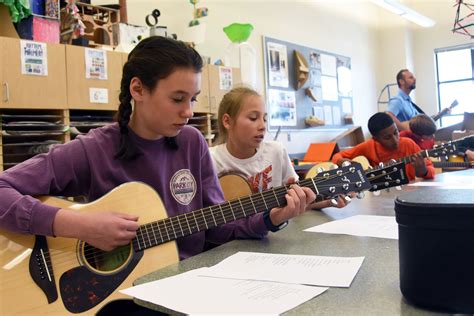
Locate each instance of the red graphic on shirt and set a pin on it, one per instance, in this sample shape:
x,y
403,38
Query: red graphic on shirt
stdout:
x,y
260,181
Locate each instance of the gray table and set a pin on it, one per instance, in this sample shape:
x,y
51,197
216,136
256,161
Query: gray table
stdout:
x,y
375,289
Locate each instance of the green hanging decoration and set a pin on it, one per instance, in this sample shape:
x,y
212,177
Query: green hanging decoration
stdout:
x,y
237,32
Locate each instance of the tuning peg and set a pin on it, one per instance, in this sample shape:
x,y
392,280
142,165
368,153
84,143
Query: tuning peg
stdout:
x,y
347,198
360,195
376,193
346,163
319,169
333,202
398,188
393,161
333,167
381,165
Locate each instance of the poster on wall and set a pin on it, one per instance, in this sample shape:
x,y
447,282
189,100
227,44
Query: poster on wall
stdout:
x,y
278,65
328,115
34,58
225,78
282,107
329,86
96,64
344,77
328,65
315,60
346,106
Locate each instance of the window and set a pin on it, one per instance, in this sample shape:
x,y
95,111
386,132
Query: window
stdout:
x,y
455,79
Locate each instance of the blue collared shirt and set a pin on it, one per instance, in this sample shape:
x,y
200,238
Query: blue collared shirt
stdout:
x,y
401,107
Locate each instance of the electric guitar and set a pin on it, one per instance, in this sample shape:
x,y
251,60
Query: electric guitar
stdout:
x,y
57,276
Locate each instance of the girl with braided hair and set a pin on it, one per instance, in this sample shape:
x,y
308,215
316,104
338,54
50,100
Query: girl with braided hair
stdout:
x,y
150,143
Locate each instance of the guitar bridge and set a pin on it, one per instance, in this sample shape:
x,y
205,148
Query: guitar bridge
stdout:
x,y
41,269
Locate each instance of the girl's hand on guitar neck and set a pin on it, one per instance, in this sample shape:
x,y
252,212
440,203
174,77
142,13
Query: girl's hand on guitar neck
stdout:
x,y
105,230
297,198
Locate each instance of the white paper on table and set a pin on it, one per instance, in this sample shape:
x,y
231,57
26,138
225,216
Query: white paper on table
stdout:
x,y
299,269
361,225
449,182
193,294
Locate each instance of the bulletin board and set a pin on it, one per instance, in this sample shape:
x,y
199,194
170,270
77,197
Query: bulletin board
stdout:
x,y
301,81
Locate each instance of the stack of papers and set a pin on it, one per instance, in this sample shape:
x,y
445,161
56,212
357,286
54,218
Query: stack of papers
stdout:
x,y
250,282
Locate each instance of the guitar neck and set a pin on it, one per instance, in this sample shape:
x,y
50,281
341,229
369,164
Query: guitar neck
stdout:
x,y
449,164
333,182
162,231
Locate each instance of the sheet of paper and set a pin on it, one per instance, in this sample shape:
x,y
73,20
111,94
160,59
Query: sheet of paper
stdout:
x,y
449,182
329,87
190,293
328,65
299,269
361,225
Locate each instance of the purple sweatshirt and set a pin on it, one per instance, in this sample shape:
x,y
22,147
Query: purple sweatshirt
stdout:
x,y
86,166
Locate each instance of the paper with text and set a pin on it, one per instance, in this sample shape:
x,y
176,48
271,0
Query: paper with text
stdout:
x,y
299,269
361,225
190,293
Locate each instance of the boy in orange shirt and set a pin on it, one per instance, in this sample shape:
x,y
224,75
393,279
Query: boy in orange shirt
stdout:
x,y
385,145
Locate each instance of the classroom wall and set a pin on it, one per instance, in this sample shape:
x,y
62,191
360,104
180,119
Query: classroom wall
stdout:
x,y
341,27
403,44
378,42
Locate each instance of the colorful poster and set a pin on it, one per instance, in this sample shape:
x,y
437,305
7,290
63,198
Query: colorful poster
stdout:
x,y
277,65
34,58
96,64
282,106
225,78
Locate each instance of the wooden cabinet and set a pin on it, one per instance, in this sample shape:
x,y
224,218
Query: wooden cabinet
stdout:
x,y
79,88
30,91
62,98
214,85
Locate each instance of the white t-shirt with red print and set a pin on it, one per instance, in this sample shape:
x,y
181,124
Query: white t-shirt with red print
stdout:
x,y
269,167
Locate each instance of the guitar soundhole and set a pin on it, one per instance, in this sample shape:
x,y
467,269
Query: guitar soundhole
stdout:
x,y
105,261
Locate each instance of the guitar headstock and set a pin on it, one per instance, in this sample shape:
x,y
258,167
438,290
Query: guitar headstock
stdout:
x,y
339,181
444,149
387,176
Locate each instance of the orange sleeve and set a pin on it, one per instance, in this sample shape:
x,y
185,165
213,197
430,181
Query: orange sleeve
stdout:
x,y
359,150
411,149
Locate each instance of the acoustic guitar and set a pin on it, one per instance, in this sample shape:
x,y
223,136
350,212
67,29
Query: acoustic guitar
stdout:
x,y
235,185
56,276
445,150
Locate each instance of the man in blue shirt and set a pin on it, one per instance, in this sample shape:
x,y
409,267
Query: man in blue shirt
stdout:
x,y
401,108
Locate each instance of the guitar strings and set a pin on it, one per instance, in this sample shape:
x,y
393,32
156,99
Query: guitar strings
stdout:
x,y
207,217
183,221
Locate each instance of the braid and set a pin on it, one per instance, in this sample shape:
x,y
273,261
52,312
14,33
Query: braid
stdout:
x,y
153,59
127,150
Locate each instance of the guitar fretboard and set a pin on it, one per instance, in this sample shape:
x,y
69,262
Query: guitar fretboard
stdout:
x,y
171,228
449,164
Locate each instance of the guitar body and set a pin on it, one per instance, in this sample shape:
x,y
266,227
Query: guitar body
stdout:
x,y
314,170
82,287
234,186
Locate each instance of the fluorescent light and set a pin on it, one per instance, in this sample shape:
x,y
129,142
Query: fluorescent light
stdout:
x,y
388,7
396,7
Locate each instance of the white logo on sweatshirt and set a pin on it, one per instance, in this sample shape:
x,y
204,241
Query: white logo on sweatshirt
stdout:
x,y
183,186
